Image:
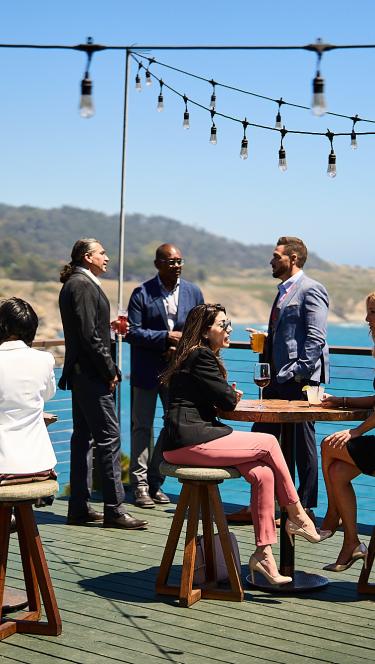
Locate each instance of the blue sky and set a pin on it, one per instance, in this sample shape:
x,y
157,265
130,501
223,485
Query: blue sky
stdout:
x,y
52,157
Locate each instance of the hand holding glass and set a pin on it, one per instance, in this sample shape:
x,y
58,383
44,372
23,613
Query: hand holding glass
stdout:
x,y
262,378
122,320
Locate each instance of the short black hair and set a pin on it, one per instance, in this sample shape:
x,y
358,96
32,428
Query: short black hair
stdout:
x,y
17,319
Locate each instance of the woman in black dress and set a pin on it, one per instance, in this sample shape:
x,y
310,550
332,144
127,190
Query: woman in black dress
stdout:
x,y
345,455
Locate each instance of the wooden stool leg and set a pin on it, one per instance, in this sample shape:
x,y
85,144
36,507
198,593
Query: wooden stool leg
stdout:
x,y
208,534
363,585
237,593
5,516
34,552
188,596
170,548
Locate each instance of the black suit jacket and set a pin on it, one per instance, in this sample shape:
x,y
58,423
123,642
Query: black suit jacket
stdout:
x,y
85,314
194,393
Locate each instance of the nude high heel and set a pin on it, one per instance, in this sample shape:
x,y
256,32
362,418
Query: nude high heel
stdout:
x,y
308,532
360,553
256,566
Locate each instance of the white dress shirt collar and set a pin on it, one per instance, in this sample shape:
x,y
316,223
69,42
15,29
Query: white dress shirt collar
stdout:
x,y
285,286
89,274
12,345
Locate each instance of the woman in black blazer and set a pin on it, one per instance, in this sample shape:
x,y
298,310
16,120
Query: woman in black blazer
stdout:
x,y
194,436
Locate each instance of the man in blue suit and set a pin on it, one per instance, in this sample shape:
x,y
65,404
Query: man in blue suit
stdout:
x,y
157,312
297,351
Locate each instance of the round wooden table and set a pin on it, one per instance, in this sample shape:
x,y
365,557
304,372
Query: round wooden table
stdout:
x,y
287,414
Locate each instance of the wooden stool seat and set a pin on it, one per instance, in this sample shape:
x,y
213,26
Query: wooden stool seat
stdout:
x,y
20,498
363,582
200,498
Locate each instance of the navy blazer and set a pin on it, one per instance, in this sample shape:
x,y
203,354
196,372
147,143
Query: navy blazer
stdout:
x,y
298,348
149,328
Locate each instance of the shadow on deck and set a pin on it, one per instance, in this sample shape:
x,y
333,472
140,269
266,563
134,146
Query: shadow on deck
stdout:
x,y
104,581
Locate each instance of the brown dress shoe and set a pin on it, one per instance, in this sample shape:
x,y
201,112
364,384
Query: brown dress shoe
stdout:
x,y
159,497
91,516
243,517
125,521
142,498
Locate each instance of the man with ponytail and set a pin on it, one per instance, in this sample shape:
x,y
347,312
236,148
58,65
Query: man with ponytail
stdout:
x,y
90,372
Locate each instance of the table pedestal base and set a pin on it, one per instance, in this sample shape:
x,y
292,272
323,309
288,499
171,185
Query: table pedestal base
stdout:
x,y
14,600
302,582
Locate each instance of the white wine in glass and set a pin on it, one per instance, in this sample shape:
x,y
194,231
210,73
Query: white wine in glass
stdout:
x,y
262,378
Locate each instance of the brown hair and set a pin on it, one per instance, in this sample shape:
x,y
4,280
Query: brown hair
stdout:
x,y
80,249
198,321
371,298
293,245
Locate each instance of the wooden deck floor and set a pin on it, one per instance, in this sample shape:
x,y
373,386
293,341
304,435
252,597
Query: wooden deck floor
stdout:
x,y
104,582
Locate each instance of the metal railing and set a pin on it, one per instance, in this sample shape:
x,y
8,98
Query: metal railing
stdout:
x,y
352,372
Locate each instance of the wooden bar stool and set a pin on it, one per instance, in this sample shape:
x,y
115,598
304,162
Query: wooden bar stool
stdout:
x,y
363,582
199,497
20,498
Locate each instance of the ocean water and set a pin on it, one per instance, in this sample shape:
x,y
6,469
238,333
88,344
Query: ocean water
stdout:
x,y
350,375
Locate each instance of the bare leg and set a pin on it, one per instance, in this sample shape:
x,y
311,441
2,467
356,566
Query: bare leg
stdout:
x,y
331,454
341,475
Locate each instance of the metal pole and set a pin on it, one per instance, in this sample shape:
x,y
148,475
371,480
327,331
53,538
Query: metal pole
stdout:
x,y
121,255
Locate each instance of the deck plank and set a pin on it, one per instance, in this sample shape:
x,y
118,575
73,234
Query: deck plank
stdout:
x,y
104,582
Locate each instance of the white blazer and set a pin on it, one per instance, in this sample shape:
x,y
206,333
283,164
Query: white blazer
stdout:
x,y
26,381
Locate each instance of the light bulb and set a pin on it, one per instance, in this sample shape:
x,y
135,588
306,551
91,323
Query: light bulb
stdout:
x,y
353,140
278,124
244,151
213,137
213,102
148,78
186,122
318,104
138,84
283,166
86,106
160,106
331,169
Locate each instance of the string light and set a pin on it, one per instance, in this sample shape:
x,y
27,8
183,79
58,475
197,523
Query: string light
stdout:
x,y
244,153
278,124
138,82
331,168
213,136
353,135
213,96
86,104
160,106
318,105
186,121
283,166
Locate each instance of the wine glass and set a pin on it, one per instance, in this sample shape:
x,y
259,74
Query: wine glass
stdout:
x,y
262,378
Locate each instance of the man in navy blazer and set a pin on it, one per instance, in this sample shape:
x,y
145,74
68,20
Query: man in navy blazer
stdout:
x,y
157,312
297,350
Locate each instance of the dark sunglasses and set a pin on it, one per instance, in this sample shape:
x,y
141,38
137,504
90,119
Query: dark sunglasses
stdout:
x,y
171,262
225,324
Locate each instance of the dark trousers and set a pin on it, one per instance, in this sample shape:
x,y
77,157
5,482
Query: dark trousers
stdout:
x,y
144,462
306,452
94,419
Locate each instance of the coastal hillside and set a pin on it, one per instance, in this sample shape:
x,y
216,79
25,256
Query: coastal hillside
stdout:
x,y
35,243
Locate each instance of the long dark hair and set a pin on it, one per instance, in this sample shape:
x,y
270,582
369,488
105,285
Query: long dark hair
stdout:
x,y
17,319
198,321
80,249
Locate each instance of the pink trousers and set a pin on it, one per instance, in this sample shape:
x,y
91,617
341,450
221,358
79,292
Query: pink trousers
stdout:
x,y
260,461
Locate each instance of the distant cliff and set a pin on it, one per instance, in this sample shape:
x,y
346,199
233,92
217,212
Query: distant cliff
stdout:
x,y
36,242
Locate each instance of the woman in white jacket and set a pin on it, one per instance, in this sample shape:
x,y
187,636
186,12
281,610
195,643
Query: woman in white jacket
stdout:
x,y
26,381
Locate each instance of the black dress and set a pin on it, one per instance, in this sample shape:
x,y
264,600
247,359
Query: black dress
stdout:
x,y
362,451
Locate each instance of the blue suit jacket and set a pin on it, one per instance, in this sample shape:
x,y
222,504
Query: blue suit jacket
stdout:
x,y
299,347
149,328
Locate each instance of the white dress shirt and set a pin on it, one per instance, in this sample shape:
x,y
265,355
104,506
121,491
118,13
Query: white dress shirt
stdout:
x,y
26,381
